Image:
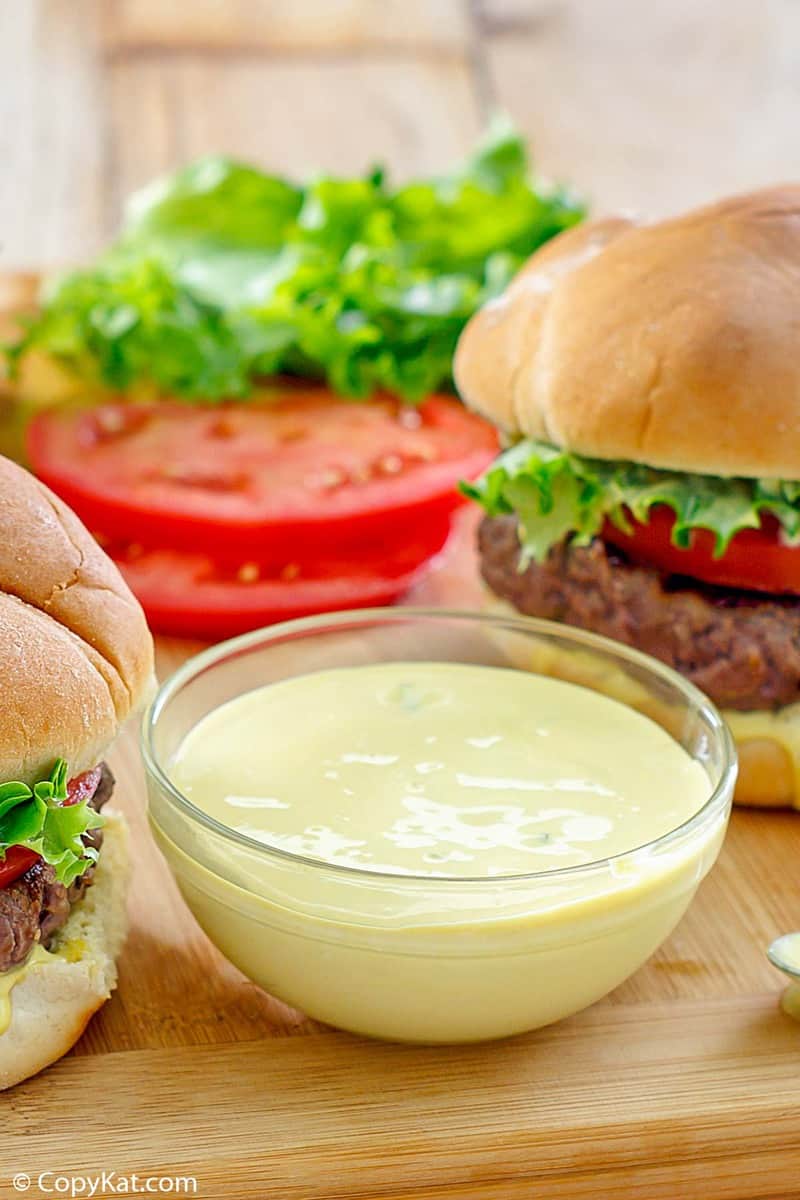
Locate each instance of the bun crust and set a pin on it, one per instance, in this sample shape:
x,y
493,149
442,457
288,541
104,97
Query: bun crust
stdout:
x,y
76,656
672,344
52,1004
767,775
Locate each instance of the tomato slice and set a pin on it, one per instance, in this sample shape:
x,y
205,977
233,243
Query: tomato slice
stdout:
x,y
755,559
17,861
195,595
303,469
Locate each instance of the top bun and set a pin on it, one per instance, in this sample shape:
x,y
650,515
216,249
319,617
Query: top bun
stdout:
x,y
675,344
76,656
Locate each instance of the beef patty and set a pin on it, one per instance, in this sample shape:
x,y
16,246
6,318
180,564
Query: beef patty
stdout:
x,y
36,905
741,648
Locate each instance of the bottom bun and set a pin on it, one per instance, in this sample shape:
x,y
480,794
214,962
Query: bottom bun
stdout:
x,y
767,741
56,997
768,744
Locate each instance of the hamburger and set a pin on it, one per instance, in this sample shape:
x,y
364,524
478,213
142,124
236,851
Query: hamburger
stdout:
x,y
75,659
647,379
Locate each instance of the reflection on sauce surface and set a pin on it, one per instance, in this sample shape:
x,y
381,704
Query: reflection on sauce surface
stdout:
x,y
438,769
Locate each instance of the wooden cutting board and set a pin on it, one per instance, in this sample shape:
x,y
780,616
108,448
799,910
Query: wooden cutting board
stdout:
x,y
683,1083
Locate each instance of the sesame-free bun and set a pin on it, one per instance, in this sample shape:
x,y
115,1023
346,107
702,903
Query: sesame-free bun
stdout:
x,y
673,343
767,774
76,656
54,1000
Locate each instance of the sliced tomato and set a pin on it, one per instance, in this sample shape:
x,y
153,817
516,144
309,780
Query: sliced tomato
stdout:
x,y
304,469
195,595
17,861
755,558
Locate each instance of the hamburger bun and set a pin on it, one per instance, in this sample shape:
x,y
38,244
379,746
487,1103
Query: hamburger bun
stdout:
x,y
55,998
606,340
767,772
76,657
672,344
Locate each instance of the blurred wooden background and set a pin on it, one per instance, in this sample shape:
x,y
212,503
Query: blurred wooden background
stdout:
x,y
644,105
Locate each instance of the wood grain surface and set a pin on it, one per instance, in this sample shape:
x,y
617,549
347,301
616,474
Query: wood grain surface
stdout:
x,y
686,1081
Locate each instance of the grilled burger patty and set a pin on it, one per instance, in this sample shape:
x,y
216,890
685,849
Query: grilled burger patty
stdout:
x,y
741,648
36,906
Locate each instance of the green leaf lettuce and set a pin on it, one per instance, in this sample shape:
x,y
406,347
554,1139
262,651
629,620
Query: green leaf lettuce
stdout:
x,y
224,274
37,819
556,495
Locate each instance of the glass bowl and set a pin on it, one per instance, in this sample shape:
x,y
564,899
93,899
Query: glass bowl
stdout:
x,y
420,958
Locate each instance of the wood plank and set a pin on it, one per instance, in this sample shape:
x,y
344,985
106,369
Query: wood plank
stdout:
x,y
52,202
284,25
82,131
293,117
680,104
616,1097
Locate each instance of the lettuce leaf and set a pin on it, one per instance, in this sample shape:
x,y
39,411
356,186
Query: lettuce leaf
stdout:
x,y
556,495
224,274
38,819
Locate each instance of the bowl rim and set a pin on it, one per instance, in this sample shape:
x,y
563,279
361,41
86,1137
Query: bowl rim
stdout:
x,y
719,799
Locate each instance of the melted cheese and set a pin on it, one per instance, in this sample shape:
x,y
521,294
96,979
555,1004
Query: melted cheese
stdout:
x,y
9,980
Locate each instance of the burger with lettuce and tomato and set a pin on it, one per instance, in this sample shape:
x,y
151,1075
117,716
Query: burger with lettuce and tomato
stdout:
x,y
75,658
647,378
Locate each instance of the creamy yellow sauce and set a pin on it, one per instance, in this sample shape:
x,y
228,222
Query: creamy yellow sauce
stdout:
x,y
9,980
438,769
459,792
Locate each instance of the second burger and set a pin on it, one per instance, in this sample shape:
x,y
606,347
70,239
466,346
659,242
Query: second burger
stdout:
x,y
647,378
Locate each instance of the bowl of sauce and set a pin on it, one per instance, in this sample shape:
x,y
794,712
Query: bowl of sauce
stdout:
x,y
435,826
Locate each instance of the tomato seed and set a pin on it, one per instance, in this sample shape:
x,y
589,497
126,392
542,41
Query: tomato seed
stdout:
x,y
294,433
423,453
409,418
248,573
110,422
326,480
223,427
